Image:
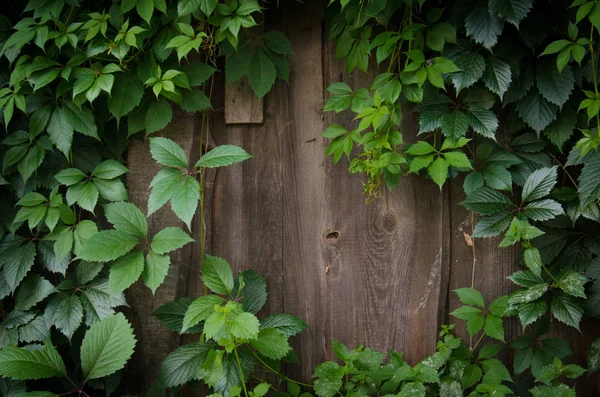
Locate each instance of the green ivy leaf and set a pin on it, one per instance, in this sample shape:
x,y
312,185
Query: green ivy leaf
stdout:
x,y
108,245
533,260
497,76
32,291
125,271
158,116
543,210
261,73
271,343
536,111
168,153
472,66
169,239
539,184
85,194
156,268
482,26
438,170
24,364
199,310
285,323
222,156
486,201
567,309
184,199
106,347
127,218
493,327
514,11
455,124
126,95
67,314
470,296
183,364
589,183
216,274
555,86
244,326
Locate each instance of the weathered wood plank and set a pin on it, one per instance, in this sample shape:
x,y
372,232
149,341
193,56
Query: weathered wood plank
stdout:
x,y
154,340
241,104
360,273
246,201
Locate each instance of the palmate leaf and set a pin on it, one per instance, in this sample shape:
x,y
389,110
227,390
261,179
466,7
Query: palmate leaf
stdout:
x,y
543,210
125,271
127,218
285,323
455,124
184,199
589,183
254,293
492,225
172,313
536,111
567,309
126,94
216,274
555,86
106,347
183,364
168,153
199,310
156,268
486,201
497,76
169,239
17,261
223,155
262,73
482,26
539,184
66,313
271,343
23,364
483,121
514,11
107,245
562,128
472,66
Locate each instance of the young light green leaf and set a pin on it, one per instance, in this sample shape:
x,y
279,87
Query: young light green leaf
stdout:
x,y
216,274
199,310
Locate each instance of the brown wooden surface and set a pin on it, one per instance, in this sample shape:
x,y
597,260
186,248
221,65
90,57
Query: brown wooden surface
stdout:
x,y
381,274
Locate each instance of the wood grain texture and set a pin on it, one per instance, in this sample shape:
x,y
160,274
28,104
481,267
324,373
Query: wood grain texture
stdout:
x,y
246,208
378,274
154,340
241,104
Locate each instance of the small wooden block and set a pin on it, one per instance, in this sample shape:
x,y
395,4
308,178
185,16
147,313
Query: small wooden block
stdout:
x,y
241,104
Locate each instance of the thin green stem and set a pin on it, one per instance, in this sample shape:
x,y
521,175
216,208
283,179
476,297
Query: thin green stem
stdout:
x,y
549,274
239,364
478,341
264,364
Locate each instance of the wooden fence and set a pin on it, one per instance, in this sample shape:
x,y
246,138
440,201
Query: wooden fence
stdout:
x,y
379,274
